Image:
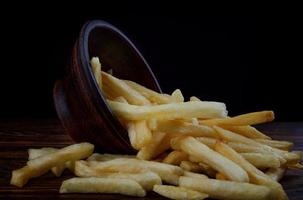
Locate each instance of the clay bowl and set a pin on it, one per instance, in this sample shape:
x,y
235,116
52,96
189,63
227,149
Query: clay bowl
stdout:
x,y
80,105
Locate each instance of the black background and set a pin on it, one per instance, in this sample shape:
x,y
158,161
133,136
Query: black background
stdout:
x,y
249,62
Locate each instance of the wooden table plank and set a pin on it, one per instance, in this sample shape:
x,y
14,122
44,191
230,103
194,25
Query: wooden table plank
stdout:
x,y
19,135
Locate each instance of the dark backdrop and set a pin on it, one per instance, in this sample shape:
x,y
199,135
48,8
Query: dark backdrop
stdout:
x,y
248,62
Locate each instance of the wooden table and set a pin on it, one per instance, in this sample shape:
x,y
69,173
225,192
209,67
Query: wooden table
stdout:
x,y
16,136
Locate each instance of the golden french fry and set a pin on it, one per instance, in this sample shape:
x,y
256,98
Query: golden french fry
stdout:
x,y
295,166
178,193
158,144
120,88
189,109
42,164
106,157
144,134
242,120
177,96
220,189
151,95
283,145
96,67
194,175
193,98
168,173
276,173
248,131
210,142
191,166
205,169
175,157
102,185
218,162
220,176
262,161
185,128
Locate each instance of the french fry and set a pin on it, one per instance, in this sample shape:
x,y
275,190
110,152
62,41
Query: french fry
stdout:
x,y
42,164
144,134
205,169
276,173
262,161
218,162
242,120
120,88
185,128
177,96
191,166
96,67
159,143
247,131
175,157
106,157
151,95
102,185
283,145
210,142
220,176
168,173
193,98
194,175
178,193
189,109
221,189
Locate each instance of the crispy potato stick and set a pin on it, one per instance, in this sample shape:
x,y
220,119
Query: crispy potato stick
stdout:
x,y
177,96
132,135
169,111
220,176
158,144
96,67
220,189
57,171
193,98
295,166
247,131
256,176
242,120
194,175
102,185
246,148
151,95
143,134
168,173
262,161
120,88
191,166
276,173
178,193
185,128
210,142
206,169
218,162
283,145
146,179
233,137
42,164
175,157
106,157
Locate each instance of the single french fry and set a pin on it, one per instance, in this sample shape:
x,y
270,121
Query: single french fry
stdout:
x,y
191,166
295,166
120,88
194,175
169,111
220,176
42,164
218,162
144,134
210,142
106,157
177,96
168,173
205,169
262,161
276,174
283,145
193,98
220,189
102,185
151,95
175,157
242,120
247,131
96,67
158,144
178,193
184,128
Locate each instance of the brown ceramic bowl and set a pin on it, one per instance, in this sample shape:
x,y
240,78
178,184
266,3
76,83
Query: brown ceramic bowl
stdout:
x,y
80,105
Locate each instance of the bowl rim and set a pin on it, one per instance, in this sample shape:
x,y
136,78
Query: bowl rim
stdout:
x,y
83,52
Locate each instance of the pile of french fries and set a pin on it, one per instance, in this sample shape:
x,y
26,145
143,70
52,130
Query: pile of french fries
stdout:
x,y
186,150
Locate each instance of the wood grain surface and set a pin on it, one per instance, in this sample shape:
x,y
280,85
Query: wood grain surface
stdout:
x,y
16,136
